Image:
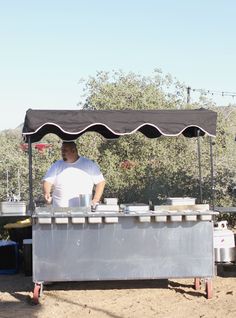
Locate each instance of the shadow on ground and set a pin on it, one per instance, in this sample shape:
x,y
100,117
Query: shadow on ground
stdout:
x,y
105,285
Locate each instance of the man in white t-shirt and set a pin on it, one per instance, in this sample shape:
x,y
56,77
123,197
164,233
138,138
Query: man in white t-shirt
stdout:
x,y
66,179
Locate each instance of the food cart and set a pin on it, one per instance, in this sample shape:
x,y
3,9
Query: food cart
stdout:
x,y
75,245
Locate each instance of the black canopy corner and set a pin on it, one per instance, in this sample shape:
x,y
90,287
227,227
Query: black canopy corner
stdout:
x,y
111,124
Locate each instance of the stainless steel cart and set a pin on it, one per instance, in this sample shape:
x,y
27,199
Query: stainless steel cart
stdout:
x,y
118,246
148,246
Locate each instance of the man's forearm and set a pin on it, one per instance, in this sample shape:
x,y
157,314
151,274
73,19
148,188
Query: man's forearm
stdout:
x,y
47,187
98,191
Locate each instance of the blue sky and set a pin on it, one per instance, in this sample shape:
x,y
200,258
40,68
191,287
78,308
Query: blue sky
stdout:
x,y
47,46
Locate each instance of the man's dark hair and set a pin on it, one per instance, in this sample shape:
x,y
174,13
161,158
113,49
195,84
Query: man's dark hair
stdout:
x,y
72,144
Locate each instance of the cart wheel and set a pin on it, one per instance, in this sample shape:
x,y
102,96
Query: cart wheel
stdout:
x,y
209,288
197,283
36,295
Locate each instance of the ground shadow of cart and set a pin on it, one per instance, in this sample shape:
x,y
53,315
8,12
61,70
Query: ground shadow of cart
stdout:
x,y
19,301
106,285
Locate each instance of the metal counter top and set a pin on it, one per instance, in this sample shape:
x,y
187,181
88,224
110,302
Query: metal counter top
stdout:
x,y
121,214
230,209
43,216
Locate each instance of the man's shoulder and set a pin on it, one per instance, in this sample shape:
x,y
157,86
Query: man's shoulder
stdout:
x,y
86,160
87,163
57,163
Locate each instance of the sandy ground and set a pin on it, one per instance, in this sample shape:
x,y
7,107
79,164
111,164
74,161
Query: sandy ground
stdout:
x,y
122,299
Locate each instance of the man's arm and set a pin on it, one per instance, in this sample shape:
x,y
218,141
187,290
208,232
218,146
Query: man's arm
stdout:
x,y
98,192
47,187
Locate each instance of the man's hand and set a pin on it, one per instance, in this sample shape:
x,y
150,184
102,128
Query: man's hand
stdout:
x,y
48,198
98,192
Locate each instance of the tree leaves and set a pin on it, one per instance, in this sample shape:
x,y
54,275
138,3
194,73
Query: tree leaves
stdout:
x,y
136,168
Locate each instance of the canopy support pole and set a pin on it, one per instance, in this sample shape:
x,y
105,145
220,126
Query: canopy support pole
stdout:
x,y
212,175
31,199
199,164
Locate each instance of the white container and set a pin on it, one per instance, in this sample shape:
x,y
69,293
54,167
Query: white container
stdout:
x,y
111,201
136,207
181,201
176,218
44,220
61,220
95,220
107,208
223,238
111,219
205,217
191,217
78,220
8,207
144,219
161,218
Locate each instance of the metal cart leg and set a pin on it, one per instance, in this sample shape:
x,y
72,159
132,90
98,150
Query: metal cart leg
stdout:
x,y
38,289
197,283
209,288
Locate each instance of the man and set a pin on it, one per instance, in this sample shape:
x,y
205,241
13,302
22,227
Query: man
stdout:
x,y
68,178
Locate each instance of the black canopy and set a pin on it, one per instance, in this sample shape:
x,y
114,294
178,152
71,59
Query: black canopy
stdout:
x,y
70,124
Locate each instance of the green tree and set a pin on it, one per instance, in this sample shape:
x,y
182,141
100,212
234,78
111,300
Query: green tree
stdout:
x,y
153,174
136,168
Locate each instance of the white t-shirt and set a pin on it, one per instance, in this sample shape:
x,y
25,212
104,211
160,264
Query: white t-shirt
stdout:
x,y
71,179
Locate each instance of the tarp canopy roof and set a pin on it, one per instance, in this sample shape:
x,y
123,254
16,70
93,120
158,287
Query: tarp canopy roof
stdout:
x,y
111,124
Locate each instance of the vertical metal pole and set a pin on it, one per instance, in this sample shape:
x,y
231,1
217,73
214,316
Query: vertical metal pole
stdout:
x,y
199,164
8,196
18,181
188,94
212,176
31,199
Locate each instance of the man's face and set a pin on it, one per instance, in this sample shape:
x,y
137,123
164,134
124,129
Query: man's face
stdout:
x,y
67,152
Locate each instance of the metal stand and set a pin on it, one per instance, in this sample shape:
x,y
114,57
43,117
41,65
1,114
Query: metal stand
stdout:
x,y
199,164
31,199
212,175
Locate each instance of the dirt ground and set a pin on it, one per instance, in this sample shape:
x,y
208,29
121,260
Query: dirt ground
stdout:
x,y
122,299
